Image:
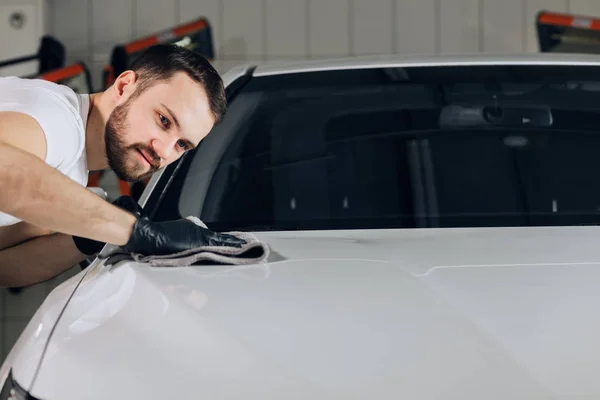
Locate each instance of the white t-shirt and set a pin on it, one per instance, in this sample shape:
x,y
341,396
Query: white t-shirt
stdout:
x,y
62,113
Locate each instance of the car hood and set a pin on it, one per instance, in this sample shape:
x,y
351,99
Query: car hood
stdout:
x,y
420,314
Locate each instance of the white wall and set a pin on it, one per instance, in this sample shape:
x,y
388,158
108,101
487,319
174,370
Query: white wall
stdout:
x,y
24,40
263,30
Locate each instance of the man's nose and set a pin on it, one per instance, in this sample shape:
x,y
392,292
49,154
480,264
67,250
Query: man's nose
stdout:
x,y
164,147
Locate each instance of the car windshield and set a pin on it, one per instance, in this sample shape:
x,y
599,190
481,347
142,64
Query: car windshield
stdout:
x,y
413,147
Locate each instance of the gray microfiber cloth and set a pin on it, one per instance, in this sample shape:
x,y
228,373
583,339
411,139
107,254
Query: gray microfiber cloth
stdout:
x,y
253,252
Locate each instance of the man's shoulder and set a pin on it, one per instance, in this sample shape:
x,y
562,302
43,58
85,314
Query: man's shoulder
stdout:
x,y
57,109
43,100
16,89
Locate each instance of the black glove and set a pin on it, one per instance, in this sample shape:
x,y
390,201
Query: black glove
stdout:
x,y
91,247
168,237
159,238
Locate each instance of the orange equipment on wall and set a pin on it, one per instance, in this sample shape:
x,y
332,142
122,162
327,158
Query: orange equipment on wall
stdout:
x,y
195,35
567,33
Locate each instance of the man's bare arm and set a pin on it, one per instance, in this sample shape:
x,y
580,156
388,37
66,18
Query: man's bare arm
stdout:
x,y
37,193
20,232
38,260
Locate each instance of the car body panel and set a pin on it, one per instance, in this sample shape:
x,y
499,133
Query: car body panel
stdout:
x,y
236,72
424,313
397,60
25,356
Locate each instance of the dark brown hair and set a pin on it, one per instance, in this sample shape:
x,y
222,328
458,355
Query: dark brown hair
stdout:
x,y
160,62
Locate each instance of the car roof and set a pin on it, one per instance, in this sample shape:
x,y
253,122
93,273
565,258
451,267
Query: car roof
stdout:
x,y
398,60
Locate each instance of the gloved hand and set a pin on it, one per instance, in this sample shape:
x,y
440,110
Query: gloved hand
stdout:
x,y
168,237
159,238
91,247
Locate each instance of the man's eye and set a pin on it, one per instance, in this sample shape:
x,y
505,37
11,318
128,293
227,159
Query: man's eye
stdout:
x,y
182,144
164,121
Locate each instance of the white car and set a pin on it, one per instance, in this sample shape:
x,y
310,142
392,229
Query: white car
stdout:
x,y
433,233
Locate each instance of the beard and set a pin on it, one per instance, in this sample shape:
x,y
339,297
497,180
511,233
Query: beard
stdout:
x,y
123,158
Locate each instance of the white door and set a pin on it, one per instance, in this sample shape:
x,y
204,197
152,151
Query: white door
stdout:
x,y
19,36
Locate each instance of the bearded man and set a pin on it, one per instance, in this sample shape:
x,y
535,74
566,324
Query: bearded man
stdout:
x,y
51,137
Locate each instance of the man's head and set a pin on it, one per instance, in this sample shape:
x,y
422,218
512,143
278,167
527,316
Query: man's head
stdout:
x,y
165,104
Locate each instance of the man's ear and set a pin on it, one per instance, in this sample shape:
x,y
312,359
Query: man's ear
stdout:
x,y
124,85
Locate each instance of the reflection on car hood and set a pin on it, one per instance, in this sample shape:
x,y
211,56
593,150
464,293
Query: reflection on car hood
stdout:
x,y
416,314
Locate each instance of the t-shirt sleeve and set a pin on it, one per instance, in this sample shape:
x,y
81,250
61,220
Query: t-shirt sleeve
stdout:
x,y
57,118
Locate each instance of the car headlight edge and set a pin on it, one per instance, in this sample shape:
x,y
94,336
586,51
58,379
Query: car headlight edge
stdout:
x,y
13,391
